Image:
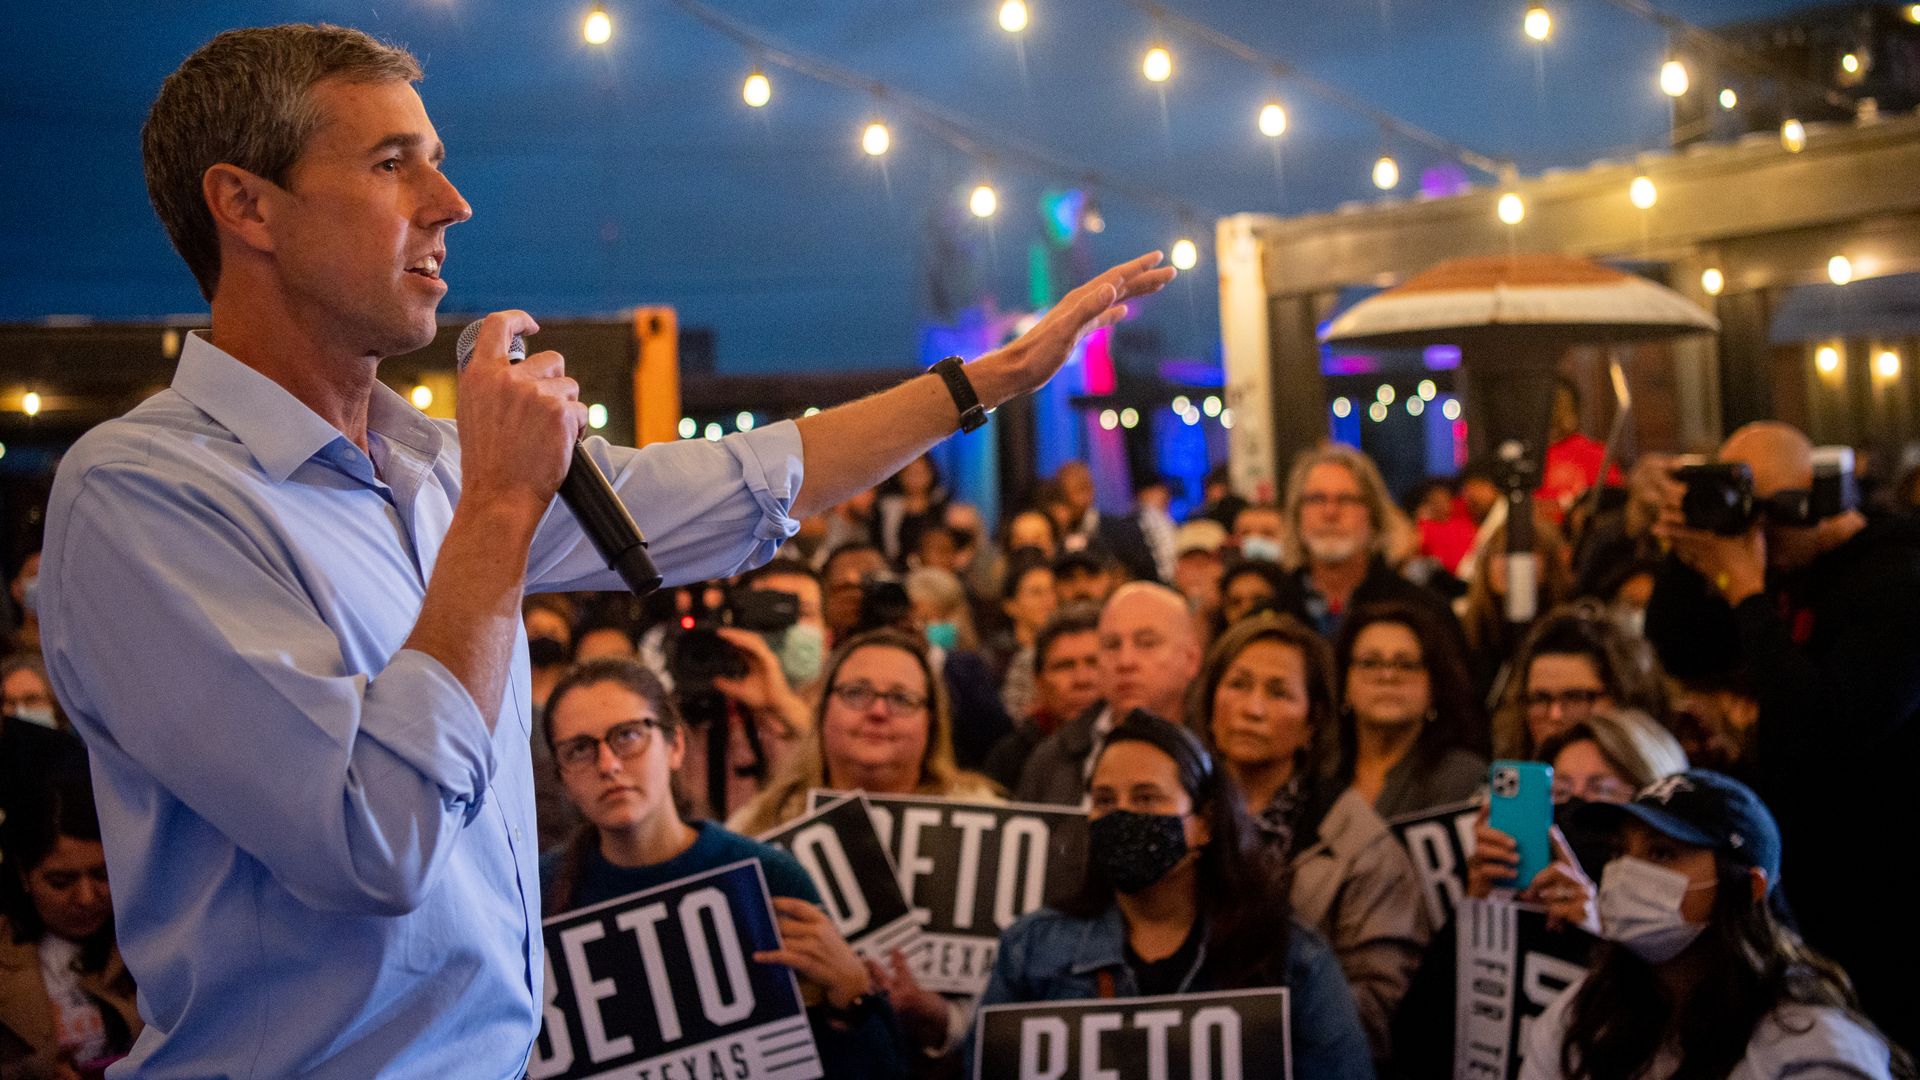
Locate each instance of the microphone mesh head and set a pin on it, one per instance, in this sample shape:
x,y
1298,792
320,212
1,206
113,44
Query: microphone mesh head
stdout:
x,y
463,349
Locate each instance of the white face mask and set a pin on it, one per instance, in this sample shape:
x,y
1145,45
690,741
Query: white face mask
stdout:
x,y
1640,908
1262,548
36,714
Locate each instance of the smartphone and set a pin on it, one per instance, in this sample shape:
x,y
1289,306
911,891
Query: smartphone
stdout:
x,y
1522,807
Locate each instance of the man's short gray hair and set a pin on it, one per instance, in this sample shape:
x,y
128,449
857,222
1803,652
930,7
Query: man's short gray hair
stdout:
x,y
243,99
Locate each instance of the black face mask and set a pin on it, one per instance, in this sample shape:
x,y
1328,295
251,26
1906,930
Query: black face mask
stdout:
x,y
547,652
1136,850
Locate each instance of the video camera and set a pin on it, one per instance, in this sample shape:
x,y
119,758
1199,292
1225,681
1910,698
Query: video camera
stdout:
x,y
1719,495
697,655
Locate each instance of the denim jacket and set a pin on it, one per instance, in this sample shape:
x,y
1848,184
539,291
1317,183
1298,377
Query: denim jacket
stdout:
x,y
1050,956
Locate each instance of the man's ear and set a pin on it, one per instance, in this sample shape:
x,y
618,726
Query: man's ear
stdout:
x,y
241,204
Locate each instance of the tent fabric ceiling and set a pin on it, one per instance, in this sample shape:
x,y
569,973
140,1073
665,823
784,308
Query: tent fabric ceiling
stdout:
x,y
633,174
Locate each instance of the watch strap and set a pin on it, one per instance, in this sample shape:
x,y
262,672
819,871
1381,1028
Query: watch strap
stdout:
x,y
953,372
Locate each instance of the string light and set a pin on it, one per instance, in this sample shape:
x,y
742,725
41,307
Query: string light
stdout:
x,y
812,410
984,201
1451,409
1384,394
1342,407
713,432
1538,23
757,91
1511,208
1850,63
876,139
1109,419
1211,406
1226,419
1887,365
1181,403
1013,16
1673,78
1827,359
596,416
1728,99
1427,390
1416,406
1386,173
1190,416
421,396
1129,418
1912,12
598,27
1793,136
1273,120
1839,269
1712,281
1642,192
1377,411
1157,65
689,427
1186,255
30,403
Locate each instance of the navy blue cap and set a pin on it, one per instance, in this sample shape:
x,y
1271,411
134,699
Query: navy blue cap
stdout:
x,y
1706,809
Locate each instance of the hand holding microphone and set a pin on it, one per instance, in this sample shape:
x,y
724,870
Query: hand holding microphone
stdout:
x,y
503,390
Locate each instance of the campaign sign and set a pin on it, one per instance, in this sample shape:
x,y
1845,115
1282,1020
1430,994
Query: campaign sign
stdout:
x,y
662,985
1439,842
1511,967
1175,1037
970,869
841,851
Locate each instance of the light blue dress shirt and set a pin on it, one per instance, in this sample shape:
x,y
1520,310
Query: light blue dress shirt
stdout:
x,y
323,865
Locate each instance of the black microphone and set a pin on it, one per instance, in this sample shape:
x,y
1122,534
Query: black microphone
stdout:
x,y
586,492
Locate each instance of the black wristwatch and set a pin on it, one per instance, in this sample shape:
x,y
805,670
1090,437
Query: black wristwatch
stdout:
x,y
857,1010
953,372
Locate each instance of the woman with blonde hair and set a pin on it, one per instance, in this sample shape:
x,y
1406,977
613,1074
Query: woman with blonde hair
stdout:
x,y
883,726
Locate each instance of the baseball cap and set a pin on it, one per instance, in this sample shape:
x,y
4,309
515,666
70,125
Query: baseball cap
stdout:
x,y
1200,534
1706,809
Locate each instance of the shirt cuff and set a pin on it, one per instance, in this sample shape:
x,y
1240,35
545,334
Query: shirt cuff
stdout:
x,y
420,713
772,466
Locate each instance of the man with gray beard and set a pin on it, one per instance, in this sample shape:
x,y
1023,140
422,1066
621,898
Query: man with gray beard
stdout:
x,y
1345,537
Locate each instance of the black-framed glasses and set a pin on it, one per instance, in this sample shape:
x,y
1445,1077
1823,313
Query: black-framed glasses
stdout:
x,y
860,696
1570,701
1389,665
627,741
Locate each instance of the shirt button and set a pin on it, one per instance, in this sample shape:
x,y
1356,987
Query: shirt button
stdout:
x,y
516,834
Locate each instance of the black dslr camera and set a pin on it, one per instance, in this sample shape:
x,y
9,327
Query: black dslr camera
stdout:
x,y
697,655
1719,496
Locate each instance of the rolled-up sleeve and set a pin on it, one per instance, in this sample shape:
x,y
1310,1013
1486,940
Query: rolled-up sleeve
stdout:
x,y
230,690
708,509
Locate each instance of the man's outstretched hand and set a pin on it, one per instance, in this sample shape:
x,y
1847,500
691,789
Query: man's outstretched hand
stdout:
x,y
1025,364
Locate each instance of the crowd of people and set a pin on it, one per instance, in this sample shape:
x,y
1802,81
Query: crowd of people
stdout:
x,y
1242,702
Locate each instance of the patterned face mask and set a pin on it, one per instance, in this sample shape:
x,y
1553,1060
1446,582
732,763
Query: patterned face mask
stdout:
x,y
1136,850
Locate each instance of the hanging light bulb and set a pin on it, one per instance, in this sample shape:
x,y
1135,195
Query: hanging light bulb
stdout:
x,y
596,416
1013,16
421,396
757,91
1827,359
1511,208
1158,64
1850,63
1793,136
1642,192
1712,281
1186,255
1887,365
1091,219
1673,78
1273,120
1728,99
1839,269
1386,173
1538,23
30,403
876,139
598,27
984,201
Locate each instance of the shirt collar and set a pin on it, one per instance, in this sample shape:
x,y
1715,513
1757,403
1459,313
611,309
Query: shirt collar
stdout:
x,y
1102,943
279,430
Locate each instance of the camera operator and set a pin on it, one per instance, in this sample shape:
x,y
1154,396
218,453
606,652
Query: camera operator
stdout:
x,y
1820,606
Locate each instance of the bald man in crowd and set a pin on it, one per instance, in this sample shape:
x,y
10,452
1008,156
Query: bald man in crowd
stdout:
x,y
1149,654
1820,610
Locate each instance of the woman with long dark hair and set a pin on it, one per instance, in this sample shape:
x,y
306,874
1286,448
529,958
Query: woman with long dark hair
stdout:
x,y
617,744
1703,976
1180,896
1412,736
1264,704
1574,662
66,1000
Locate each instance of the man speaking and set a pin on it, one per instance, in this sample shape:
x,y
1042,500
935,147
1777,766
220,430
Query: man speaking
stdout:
x,y
282,606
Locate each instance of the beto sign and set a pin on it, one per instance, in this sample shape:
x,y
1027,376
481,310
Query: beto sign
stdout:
x,y
858,886
661,985
1175,1037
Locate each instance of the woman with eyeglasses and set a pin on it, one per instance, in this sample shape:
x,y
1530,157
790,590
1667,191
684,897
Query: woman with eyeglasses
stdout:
x,y
1701,974
1264,705
617,744
1575,662
1180,896
1411,734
